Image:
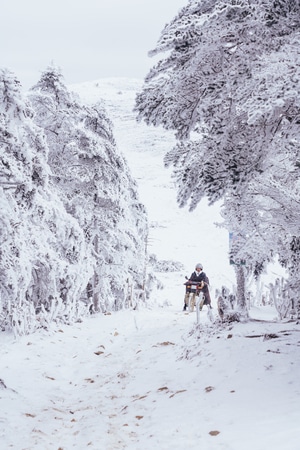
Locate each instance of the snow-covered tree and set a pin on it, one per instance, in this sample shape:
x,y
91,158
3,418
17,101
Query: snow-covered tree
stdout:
x,y
40,243
94,181
229,85
72,226
18,190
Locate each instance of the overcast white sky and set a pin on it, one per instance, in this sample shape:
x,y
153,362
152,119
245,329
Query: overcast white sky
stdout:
x,y
88,39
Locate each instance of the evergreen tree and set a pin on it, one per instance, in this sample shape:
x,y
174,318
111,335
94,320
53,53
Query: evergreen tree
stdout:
x,y
94,181
229,86
40,242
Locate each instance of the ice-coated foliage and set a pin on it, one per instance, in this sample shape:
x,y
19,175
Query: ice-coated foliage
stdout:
x,y
229,85
94,182
41,244
72,230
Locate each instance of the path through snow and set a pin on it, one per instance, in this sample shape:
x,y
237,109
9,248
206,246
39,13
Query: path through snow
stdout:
x,y
153,379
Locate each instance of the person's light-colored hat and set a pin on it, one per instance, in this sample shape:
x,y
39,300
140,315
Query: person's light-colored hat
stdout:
x,y
199,266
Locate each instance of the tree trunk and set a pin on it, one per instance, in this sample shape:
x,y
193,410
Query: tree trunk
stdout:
x,y
241,294
96,300
96,279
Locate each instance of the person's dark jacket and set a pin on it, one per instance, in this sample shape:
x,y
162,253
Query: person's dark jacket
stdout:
x,y
202,277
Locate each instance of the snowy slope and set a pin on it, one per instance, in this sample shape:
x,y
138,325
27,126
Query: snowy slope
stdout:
x,y
176,234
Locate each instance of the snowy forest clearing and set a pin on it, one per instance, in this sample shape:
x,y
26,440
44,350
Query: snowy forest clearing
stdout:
x,y
153,379
147,379
76,239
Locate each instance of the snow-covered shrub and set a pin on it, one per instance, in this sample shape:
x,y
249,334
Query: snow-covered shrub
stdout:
x,y
285,299
163,265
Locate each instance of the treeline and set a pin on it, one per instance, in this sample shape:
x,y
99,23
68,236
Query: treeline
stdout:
x,y
72,230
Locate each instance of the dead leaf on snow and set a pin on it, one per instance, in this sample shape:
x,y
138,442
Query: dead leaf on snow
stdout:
x,y
29,415
139,417
209,388
36,430
140,398
57,409
122,375
160,344
214,433
177,392
165,388
99,353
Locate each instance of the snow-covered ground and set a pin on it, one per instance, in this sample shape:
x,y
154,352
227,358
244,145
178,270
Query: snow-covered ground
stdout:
x,y
154,378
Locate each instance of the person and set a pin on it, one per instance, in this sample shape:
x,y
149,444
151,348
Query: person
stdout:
x,y
198,276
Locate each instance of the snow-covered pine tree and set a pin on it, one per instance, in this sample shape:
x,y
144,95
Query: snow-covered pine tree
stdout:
x,y
18,194
39,240
94,182
229,86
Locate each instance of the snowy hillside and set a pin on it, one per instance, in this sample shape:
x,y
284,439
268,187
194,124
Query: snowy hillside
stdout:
x,y
176,234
